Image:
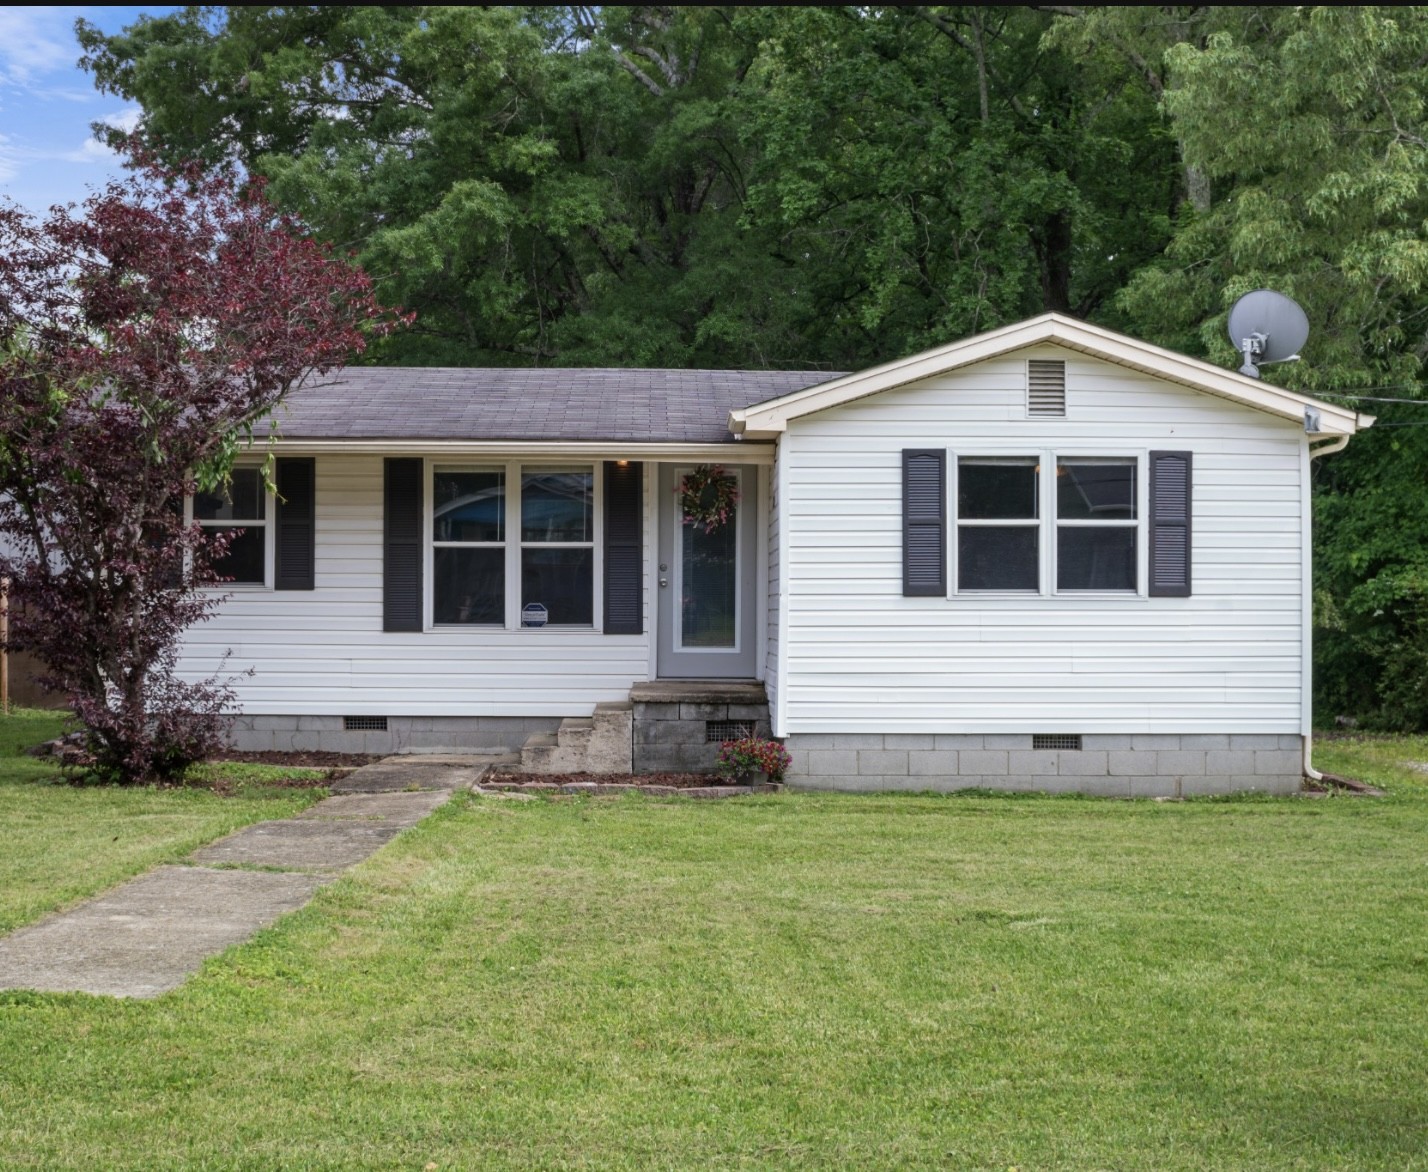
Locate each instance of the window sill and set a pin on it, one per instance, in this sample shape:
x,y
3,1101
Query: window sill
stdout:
x,y
1030,595
487,628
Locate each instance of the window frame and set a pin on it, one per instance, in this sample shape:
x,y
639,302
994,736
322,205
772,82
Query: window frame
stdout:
x,y
432,544
514,543
1048,522
268,525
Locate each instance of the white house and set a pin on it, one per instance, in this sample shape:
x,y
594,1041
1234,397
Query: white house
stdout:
x,y
1049,556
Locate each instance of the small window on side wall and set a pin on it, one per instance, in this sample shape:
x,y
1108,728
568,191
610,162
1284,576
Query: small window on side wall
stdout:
x,y
241,510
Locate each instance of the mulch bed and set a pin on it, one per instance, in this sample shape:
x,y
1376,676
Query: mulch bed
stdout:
x,y
677,780
692,785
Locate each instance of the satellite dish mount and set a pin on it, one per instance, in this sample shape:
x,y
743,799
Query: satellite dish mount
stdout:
x,y
1267,327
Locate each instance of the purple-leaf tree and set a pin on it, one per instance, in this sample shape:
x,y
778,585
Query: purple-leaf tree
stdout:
x,y
143,337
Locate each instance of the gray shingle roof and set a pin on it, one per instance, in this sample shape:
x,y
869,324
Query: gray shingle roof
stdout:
x,y
459,403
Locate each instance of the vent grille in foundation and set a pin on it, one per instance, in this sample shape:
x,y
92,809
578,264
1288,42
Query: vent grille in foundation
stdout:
x,y
364,723
716,732
1056,741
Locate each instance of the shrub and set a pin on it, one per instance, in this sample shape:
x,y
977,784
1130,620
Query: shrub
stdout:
x,y
753,755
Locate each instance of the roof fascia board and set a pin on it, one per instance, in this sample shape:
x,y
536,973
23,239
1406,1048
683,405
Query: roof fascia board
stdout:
x,y
765,420
725,453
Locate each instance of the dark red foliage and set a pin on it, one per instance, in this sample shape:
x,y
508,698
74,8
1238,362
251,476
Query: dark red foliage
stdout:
x,y
144,336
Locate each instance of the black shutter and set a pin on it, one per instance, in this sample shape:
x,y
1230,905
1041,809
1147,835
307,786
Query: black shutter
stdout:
x,y
624,548
924,521
401,545
296,523
1170,524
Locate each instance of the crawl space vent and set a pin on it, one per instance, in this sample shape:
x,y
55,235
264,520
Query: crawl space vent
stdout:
x,y
1046,387
716,732
364,723
1056,741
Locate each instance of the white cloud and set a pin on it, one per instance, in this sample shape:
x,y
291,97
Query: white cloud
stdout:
x,y
9,167
91,151
126,119
94,151
35,40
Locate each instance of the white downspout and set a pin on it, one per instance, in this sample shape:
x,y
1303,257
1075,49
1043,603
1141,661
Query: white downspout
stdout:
x,y
1325,449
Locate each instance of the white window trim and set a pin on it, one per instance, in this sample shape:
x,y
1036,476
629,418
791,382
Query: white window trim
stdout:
x,y
268,524
513,546
1047,522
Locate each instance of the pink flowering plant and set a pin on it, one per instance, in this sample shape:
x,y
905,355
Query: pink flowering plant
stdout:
x,y
708,496
753,755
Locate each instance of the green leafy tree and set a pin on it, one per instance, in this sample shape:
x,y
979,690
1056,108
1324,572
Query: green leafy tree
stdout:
x,y
1309,123
728,186
529,180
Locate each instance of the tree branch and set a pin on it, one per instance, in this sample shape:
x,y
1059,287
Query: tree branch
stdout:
x,y
949,30
639,74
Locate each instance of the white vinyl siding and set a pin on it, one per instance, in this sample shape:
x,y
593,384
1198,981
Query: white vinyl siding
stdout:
x,y
324,651
860,657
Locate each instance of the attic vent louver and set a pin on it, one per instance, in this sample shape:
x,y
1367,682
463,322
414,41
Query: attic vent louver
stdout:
x,y
1046,387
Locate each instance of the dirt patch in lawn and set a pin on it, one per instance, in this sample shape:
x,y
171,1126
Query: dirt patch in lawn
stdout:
x,y
300,759
227,787
310,769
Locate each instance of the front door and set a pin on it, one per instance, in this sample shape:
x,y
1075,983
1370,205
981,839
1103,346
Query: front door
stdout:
x,y
706,581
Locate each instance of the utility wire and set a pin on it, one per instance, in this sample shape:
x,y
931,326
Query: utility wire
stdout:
x,y
1361,398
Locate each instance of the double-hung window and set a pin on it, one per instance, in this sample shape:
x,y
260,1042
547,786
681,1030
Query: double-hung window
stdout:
x,y
241,507
469,546
998,523
1096,526
558,545
1017,533
503,558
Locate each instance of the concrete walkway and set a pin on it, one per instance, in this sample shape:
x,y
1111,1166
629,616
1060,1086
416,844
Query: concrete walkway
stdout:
x,y
146,936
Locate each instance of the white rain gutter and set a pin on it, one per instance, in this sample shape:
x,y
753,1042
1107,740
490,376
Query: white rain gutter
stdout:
x,y
1337,444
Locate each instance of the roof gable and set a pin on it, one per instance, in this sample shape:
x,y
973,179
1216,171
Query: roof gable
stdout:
x,y
765,420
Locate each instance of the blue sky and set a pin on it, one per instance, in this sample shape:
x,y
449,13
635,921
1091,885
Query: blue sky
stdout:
x,y
47,153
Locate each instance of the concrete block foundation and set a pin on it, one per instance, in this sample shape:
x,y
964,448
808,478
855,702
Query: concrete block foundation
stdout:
x,y
675,721
1160,765
403,734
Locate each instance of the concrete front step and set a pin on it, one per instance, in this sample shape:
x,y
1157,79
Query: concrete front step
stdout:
x,y
680,724
599,743
665,726
699,692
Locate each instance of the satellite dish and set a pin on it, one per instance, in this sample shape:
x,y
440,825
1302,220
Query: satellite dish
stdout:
x,y
1265,327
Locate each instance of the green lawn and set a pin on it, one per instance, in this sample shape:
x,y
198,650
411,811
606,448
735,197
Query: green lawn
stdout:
x,y
62,843
839,981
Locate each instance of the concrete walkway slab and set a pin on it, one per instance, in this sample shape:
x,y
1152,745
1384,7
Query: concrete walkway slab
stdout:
x,y
414,772
146,936
296,845
401,809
